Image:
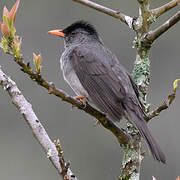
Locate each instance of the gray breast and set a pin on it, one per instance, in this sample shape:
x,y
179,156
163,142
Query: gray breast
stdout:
x,y
69,74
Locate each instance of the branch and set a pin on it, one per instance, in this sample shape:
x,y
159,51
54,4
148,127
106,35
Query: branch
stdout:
x,y
165,105
37,128
121,135
116,14
166,7
157,111
144,7
143,2
153,35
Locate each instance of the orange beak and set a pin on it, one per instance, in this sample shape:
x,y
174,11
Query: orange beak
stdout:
x,y
57,33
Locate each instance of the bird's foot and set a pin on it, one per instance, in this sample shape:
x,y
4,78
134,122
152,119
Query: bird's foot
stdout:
x,y
82,99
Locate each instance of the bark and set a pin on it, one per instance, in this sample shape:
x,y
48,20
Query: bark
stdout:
x,y
25,109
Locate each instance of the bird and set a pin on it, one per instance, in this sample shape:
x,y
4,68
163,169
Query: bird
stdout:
x,y
96,75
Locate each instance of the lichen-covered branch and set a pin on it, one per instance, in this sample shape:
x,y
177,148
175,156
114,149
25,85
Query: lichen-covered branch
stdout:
x,y
166,7
25,108
116,14
132,155
143,3
151,36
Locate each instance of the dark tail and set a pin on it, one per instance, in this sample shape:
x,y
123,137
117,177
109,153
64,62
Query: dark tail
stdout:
x,y
141,125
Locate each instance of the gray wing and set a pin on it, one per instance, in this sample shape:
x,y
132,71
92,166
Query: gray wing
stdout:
x,y
105,86
100,81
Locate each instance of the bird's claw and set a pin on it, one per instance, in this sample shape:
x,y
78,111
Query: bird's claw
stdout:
x,y
82,99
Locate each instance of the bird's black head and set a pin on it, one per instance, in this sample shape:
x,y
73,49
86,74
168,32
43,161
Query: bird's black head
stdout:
x,y
80,27
78,32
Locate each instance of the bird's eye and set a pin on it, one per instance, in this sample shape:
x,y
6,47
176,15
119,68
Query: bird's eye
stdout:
x,y
73,33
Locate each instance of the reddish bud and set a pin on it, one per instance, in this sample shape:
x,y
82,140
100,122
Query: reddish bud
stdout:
x,y
4,29
35,56
12,14
39,59
37,62
5,12
16,44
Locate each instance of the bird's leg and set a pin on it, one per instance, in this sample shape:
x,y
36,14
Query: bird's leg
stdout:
x,y
81,98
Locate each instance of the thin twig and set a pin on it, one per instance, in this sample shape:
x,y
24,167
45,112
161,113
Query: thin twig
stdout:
x,y
116,14
153,35
166,7
34,123
165,105
157,111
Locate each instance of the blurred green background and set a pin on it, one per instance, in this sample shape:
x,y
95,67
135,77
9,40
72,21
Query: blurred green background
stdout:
x,y
93,152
